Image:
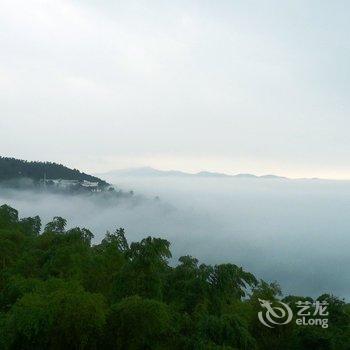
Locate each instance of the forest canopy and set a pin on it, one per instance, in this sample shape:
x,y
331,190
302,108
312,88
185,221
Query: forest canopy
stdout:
x,y
60,291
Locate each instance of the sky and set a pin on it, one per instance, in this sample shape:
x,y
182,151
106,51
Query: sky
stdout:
x,y
230,86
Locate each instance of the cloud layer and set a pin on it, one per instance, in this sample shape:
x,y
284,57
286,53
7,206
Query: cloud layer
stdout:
x,y
295,232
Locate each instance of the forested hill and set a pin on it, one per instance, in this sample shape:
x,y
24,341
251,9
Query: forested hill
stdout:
x,y
11,168
60,291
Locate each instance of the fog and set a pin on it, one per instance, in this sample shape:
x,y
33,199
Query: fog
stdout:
x,y
293,231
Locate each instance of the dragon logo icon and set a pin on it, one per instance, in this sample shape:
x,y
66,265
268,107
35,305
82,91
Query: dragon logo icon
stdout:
x,y
274,315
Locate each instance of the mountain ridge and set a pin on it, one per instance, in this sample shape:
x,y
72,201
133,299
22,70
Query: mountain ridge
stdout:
x,y
152,172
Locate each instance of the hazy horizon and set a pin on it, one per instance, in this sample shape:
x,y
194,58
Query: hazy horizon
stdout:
x,y
204,170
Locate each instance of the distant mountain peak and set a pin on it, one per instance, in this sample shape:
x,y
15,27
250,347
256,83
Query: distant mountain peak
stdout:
x,y
246,175
210,174
271,176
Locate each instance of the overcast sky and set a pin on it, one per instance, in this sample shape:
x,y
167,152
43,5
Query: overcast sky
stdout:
x,y
232,86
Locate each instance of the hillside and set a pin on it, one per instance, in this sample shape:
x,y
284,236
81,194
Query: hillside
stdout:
x,y
60,291
11,168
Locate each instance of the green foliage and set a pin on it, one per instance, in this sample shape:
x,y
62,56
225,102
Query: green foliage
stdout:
x,y
58,291
145,267
8,216
227,330
138,323
31,226
56,315
57,225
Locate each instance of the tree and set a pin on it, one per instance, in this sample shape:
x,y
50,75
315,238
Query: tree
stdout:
x,y
57,225
31,226
228,283
106,261
228,330
8,216
57,315
117,239
137,323
187,284
145,267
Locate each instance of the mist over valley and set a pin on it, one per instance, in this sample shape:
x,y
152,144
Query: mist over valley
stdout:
x,y
295,232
